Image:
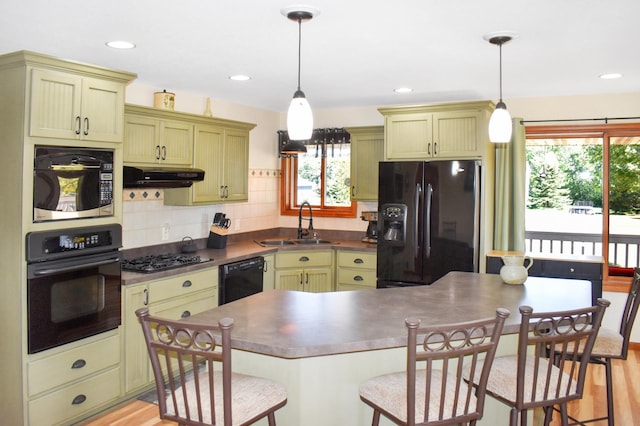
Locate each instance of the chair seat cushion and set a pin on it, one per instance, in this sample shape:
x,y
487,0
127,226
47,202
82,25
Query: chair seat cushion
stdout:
x,y
389,393
252,397
503,379
608,343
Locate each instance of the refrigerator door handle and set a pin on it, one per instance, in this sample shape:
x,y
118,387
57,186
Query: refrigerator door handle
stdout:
x,y
416,207
427,223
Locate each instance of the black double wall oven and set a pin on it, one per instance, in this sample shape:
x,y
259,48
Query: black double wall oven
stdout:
x,y
73,284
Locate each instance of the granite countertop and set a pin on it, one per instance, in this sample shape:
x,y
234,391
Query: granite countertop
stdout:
x,y
235,251
291,324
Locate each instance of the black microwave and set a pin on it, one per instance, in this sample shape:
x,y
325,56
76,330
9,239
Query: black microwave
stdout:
x,y
72,183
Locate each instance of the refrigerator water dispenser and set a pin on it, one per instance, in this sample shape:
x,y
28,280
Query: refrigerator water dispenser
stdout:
x,y
394,222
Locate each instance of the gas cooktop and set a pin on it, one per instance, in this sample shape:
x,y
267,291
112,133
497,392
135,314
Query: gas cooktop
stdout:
x,y
161,262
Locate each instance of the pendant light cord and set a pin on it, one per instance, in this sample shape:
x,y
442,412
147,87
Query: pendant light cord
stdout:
x,y
299,48
500,72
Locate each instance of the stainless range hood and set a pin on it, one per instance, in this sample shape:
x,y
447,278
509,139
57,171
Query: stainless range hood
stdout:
x,y
160,177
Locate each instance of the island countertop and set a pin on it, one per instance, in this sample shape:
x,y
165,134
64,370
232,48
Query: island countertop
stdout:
x,y
292,324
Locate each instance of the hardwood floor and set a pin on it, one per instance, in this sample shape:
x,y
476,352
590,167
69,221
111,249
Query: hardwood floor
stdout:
x,y
626,384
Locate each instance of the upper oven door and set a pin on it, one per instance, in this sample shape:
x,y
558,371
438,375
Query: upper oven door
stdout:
x,y
72,298
71,183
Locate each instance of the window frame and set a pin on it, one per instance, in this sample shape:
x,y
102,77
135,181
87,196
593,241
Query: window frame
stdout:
x,y
604,131
290,206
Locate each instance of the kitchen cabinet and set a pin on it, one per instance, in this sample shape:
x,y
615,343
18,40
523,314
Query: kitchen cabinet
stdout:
x,y
224,155
175,297
70,382
355,270
69,105
269,279
41,97
367,150
310,271
560,266
153,141
436,131
175,139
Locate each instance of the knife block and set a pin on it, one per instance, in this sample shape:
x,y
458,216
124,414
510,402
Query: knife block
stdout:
x,y
217,237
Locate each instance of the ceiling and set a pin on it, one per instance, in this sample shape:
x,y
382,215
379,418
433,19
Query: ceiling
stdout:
x,y
354,53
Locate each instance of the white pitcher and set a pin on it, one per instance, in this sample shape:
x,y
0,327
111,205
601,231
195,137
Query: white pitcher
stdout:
x,y
514,270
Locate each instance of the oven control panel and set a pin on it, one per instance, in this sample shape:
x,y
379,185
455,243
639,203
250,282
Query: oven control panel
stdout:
x,y
49,245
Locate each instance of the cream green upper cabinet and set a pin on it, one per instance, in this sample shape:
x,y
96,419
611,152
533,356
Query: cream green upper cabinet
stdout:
x,y
436,131
150,139
69,105
223,153
367,150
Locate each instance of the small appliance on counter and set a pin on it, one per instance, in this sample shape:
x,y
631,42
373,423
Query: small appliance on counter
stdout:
x,y
372,229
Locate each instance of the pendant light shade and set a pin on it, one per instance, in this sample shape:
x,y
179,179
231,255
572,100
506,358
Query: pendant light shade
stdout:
x,y
299,118
500,125
299,115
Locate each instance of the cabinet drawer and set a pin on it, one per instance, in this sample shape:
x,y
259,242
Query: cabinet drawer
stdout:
x,y
59,369
186,306
182,285
59,407
355,259
303,259
572,269
363,277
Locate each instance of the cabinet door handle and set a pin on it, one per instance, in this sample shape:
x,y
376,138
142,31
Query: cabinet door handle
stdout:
x,y
358,260
226,191
164,152
185,314
221,191
86,126
303,259
79,363
358,278
353,191
78,125
307,280
429,148
145,299
435,148
301,278
157,152
79,399
186,284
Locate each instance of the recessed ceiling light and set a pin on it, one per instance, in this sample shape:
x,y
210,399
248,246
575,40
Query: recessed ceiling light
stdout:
x,y
611,76
121,44
403,90
239,77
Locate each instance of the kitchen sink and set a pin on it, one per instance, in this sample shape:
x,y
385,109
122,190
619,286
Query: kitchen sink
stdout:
x,y
276,243
312,241
290,242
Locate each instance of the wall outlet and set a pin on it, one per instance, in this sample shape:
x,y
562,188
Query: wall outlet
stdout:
x,y
165,231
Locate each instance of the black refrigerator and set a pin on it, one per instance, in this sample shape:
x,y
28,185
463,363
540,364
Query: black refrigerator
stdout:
x,y
428,220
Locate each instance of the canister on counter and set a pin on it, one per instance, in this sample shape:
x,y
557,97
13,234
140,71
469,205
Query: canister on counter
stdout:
x,y
164,100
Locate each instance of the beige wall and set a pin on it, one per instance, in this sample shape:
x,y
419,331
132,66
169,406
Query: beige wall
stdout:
x,y
143,220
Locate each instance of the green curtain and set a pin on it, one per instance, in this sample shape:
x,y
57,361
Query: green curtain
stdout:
x,y
510,195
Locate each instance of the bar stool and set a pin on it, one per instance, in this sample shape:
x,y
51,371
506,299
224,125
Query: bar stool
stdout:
x,y
531,379
437,396
193,388
614,344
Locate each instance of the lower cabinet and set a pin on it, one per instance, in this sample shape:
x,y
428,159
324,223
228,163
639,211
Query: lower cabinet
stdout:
x,y
269,278
175,297
578,268
310,271
69,383
355,270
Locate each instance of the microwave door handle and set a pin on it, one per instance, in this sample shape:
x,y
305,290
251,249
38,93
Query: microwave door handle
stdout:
x,y
73,167
52,271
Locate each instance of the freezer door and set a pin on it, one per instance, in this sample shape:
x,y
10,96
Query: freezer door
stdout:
x,y
400,232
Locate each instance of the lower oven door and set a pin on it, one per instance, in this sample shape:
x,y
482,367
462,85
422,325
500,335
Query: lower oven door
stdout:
x,y
71,299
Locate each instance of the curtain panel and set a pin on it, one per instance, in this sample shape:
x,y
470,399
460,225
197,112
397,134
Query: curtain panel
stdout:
x,y
510,192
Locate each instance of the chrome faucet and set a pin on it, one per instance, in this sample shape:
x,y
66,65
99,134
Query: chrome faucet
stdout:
x,y
305,233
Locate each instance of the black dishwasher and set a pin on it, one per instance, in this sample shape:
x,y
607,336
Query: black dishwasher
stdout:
x,y
240,279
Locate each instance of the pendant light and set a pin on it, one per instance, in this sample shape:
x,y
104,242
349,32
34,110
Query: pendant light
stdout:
x,y
500,126
299,115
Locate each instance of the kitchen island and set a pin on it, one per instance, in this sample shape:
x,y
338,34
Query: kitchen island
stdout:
x,y
321,346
